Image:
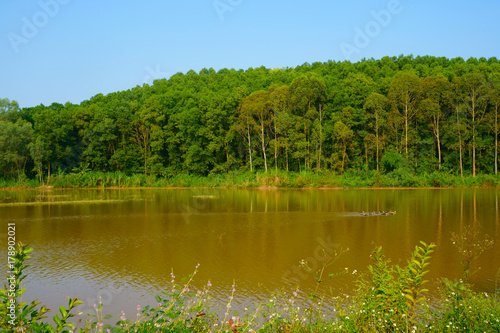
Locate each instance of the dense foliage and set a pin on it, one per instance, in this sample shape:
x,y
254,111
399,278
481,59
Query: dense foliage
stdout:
x,y
418,115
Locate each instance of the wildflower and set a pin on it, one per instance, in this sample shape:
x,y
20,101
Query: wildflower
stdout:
x,y
209,284
138,307
294,294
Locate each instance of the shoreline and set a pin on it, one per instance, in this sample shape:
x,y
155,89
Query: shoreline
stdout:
x,y
261,188
258,181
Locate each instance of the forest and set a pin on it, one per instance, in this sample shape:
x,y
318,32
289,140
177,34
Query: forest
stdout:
x,y
424,114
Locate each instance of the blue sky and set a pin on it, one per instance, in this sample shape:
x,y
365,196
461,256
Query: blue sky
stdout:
x,y
71,50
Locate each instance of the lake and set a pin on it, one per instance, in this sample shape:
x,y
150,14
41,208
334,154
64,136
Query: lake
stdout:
x,y
124,243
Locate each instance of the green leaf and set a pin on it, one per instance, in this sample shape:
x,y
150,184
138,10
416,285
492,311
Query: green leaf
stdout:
x,y
63,311
57,320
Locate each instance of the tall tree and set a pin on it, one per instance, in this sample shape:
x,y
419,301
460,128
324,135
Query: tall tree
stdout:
x,y
405,94
258,102
8,110
245,125
457,97
37,152
307,95
142,138
342,136
14,145
494,88
437,94
376,107
279,99
475,101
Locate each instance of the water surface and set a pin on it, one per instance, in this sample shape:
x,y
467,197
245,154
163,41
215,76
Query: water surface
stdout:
x,y
123,244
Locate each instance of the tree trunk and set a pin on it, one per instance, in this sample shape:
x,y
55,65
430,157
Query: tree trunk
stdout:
x,y
286,149
320,136
343,159
145,163
496,139
275,147
263,147
439,150
406,130
249,146
460,144
438,138
473,138
376,131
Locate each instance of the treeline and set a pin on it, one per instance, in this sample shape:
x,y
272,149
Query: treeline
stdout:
x,y
423,114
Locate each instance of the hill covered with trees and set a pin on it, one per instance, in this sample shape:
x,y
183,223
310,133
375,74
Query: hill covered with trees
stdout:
x,y
423,114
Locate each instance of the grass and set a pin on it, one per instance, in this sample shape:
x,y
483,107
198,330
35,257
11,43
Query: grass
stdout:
x,y
243,179
387,298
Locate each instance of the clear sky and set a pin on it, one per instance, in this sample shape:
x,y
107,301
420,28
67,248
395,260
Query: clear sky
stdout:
x,y
70,50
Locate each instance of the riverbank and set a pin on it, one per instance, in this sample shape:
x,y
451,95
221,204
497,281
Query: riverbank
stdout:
x,y
270,180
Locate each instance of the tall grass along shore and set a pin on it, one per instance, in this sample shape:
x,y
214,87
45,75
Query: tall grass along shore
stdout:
x,y
280,179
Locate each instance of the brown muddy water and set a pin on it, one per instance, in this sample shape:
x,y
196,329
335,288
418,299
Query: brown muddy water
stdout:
x,y
123,244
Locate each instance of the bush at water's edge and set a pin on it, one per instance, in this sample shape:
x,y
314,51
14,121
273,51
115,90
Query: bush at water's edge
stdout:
x,y
281,179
